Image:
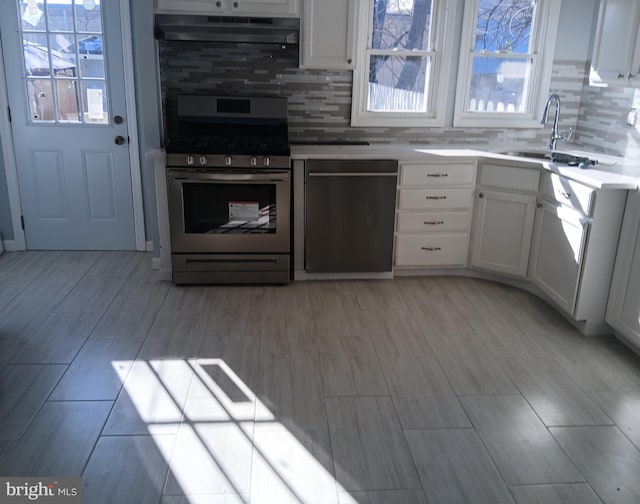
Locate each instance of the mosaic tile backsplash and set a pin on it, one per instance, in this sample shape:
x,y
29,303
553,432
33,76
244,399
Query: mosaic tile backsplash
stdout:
x,y
320,100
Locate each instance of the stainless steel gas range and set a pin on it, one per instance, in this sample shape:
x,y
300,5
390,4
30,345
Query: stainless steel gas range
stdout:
x,y
229,190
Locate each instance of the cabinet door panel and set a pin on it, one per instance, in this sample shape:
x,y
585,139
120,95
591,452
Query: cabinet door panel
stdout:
x,y
328,33
502,232
558,245
630,315
616,36
623,310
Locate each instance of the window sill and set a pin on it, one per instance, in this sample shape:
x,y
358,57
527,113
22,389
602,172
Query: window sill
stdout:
x,y
497,121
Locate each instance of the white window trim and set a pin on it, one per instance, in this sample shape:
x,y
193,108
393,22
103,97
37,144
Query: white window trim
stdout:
x,y
443,40
544,35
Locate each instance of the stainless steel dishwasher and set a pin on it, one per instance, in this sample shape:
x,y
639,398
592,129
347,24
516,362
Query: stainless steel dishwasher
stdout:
x,y
350,210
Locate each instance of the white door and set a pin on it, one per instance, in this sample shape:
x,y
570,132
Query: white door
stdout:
x,y
65,81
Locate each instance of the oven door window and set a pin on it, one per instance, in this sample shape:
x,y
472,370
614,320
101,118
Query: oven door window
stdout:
x,y
211,208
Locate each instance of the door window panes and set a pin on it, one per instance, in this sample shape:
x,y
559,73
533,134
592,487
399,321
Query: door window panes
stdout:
x,y
88,16
60,17
40,99
63,45
67,99
94,95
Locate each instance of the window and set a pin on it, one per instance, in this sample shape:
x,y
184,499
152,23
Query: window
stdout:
x,y
63,61
401,80
505,61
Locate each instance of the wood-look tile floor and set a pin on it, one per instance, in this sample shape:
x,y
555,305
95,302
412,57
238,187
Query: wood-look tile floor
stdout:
x,y
416,390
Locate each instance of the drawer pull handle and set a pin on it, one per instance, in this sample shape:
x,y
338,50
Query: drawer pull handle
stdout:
x,y
436,197
567,195
480,195
431,249
437,175
434,223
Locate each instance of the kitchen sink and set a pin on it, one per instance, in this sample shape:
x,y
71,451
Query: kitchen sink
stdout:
x,y
528,154
555,157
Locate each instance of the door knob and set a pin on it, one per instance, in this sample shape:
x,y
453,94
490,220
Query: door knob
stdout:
x,y
119,140
118,119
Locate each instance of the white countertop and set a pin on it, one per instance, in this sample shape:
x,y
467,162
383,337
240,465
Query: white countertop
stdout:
x,y
610,172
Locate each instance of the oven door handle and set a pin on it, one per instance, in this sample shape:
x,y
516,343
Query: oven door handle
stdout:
x,y
236,178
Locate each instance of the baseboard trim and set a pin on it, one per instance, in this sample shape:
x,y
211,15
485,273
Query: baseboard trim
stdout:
x,y
9,246
303,276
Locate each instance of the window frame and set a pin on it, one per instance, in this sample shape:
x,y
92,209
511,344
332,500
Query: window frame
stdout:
x,y
441,51
542,49
80,81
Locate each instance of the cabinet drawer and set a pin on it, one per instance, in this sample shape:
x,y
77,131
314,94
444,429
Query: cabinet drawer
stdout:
x,y
437,174
433,221
509,177
432,250
567,192
434,199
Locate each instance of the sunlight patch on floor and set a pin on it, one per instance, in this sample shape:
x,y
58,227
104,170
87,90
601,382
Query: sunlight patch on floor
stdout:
x,y
229,447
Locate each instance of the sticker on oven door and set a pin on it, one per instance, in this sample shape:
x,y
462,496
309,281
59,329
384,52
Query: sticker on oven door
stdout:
x,y
244,210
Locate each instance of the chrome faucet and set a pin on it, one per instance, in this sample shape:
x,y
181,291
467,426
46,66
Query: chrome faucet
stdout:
x,y
555,135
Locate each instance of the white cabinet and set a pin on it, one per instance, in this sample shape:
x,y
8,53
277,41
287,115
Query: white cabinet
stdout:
x,y
623,310
503,218
616,53
556,257
434,214
328,34
574,247
285,8
503,224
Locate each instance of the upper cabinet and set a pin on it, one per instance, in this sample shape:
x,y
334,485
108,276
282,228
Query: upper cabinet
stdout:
x,y
616,51
328,34
265,8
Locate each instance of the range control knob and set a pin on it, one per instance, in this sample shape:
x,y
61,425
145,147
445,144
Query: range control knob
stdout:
x,y
203,160
253,161
228,161
190,160
266,161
